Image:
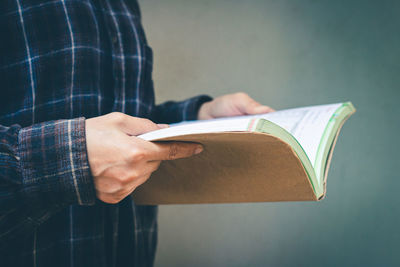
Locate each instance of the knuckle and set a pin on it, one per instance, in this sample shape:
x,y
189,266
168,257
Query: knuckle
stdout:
x,y
136,155
134,175
119,183
148,123
144,120
128,177
241,94
117,116
114,200
122,194
120,179
109,198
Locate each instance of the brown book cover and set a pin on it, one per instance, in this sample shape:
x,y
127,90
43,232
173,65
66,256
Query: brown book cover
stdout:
x,y
262,163
234,167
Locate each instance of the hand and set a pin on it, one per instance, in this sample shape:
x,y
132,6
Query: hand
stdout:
x,y
119,161
231,105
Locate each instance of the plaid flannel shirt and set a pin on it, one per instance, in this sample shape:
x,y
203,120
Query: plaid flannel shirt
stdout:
x,y
63,61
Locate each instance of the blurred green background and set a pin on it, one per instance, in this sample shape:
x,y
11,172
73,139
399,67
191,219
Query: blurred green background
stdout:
x,y
288,54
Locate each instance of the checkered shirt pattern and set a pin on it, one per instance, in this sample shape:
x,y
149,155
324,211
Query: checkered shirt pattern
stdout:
x,y
63,61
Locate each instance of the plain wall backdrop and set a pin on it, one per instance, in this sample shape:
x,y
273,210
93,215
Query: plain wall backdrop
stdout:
x,y
288,54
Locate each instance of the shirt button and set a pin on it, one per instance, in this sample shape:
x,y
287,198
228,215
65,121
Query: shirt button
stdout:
x,y
114,40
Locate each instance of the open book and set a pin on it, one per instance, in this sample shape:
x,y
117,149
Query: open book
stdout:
x,y
279,156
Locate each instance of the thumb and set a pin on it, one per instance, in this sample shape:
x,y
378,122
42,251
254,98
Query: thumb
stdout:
x,y
175,150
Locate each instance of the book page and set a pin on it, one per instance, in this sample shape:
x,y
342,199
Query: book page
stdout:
x,y
306,124
232,124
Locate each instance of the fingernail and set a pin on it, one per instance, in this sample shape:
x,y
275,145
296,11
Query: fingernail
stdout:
x,y
198,150
162,125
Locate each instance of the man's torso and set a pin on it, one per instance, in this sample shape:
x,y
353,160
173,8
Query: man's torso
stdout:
x,y
68,59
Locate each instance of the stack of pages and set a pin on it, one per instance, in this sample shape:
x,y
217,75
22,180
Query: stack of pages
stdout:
x,y
279,156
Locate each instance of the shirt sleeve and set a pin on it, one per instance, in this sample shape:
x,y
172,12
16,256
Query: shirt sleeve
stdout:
x,y
43,168
173,111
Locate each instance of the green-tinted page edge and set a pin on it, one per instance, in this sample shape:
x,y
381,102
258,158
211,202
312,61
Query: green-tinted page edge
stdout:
x,y
331,131
316,175
266,126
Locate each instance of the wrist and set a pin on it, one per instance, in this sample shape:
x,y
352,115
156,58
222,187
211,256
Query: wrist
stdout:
x,y
204,111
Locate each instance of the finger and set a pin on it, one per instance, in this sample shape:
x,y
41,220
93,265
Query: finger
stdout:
x,y
244,103
248,105
175,150
258,109
136,126
146,171
151,166
138,182
143,169
162,125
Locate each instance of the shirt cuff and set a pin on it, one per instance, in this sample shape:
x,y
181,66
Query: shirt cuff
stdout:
x,y
192,105
54,163
173,112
